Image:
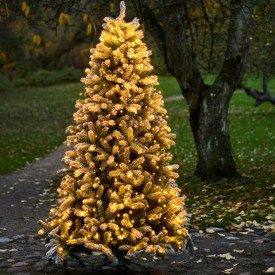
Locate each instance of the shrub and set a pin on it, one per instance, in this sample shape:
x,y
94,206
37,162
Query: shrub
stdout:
x,y
5,83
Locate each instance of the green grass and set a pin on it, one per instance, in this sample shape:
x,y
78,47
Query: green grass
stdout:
x,y
33,122
253,140
253,82
168,86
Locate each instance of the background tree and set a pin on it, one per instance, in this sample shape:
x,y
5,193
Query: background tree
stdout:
x,y
261,56
208,104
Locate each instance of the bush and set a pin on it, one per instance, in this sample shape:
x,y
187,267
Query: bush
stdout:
x,y
46,78
5,83
42,78
19,82
71,75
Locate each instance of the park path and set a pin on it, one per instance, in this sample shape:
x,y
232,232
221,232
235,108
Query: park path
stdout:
x,y
26,197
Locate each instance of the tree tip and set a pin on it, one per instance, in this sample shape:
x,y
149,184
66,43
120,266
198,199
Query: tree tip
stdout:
x,y
122,10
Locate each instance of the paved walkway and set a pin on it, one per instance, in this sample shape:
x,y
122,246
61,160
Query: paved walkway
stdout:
x,y
172,98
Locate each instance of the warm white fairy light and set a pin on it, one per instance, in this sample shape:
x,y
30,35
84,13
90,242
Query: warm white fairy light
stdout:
x,y
118,189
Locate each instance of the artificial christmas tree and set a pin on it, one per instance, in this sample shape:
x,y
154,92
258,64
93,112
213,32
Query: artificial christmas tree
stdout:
x,y
119,194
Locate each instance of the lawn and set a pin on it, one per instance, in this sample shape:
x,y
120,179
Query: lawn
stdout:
x,y
33,122
250,199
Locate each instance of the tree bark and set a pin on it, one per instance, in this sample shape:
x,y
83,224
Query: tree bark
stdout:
x,y
209,125
208,105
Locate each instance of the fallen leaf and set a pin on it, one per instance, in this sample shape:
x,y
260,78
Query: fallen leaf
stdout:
x,y
270,270
228,271
194,226
227,256
210,231
238,251
199,261
244,233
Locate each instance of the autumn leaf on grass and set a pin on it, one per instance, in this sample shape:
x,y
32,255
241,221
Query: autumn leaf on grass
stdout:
x,y
227,256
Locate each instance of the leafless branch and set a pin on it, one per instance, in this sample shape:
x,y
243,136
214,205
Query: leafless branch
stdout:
x,y
261,96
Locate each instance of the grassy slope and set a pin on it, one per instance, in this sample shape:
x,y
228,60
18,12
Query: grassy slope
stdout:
x,y
33,121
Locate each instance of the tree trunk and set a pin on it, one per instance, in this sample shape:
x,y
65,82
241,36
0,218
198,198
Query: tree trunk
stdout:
x,y
211,134
208,105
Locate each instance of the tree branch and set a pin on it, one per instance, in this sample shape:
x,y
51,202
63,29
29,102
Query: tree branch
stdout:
x,y
180,57
260,96
233,68
170,35
152,24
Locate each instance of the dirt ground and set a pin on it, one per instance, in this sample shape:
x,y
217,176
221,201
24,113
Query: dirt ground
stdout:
x,y
26,197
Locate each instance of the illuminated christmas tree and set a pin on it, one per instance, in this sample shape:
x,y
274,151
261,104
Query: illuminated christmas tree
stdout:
x,y
118,194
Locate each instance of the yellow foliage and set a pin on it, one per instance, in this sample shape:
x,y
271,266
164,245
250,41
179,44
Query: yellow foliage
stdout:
x,y
36,39
64,18
24,5
94,27
89,28
112,6
7,8
27,11
142,27
85,18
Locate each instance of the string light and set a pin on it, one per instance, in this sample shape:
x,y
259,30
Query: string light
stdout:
x,y
115,189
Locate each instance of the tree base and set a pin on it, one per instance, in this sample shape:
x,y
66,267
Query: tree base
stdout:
x,y
123,267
